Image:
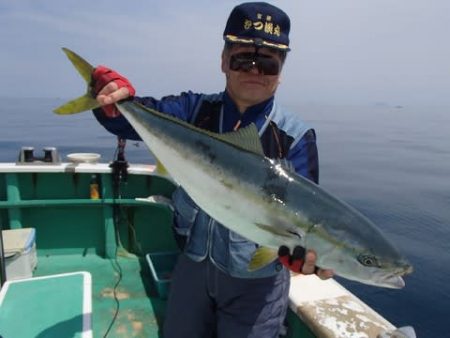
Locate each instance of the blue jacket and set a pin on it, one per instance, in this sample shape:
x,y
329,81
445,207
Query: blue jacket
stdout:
x,y
283,135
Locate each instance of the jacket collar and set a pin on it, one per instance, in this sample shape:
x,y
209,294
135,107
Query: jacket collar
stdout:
x,y
231,114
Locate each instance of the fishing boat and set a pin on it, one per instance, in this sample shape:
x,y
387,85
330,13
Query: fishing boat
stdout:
x,y
88,250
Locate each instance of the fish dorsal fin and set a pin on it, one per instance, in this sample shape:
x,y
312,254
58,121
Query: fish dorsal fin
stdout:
x,y
246,138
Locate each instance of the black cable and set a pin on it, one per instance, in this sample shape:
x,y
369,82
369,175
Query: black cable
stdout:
x,y
119,175
118,269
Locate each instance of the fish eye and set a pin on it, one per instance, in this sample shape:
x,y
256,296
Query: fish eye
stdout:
x,y
368,260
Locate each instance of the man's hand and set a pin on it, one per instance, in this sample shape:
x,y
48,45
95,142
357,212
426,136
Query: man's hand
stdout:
x,y
109,88
302,262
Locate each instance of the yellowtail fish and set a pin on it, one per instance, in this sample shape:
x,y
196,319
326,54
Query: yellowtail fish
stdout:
x,y
229,177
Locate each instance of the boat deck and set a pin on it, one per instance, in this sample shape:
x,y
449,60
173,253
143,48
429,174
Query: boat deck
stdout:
x,y
77,233
132,309
54,306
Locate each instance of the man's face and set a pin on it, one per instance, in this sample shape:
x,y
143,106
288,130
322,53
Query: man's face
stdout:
x,y
248,86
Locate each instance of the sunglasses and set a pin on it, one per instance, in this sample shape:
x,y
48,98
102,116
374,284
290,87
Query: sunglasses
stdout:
x,y
245,62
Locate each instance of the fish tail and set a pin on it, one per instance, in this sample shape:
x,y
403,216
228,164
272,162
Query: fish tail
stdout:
x,y
86,101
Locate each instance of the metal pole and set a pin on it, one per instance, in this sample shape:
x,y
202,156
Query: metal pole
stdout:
x,y
2,258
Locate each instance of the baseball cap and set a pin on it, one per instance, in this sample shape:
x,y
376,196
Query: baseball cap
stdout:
x,y
260,24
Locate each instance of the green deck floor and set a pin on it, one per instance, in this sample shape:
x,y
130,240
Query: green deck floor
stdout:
x,y
141,311
53,306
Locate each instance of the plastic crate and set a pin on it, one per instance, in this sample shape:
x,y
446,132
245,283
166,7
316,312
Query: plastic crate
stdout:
x,y
161,266
20,253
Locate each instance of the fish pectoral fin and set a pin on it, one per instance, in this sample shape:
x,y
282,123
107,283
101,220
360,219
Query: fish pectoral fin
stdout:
x,y
280,231
262,257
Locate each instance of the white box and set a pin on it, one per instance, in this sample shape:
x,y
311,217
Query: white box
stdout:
x,y
20,253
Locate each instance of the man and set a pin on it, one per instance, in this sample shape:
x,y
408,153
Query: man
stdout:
x,y
212,292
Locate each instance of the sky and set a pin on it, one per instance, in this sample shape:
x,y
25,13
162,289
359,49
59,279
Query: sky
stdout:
x,y
343,51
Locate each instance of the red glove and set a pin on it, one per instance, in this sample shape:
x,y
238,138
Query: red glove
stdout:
x,y
293,262
101,76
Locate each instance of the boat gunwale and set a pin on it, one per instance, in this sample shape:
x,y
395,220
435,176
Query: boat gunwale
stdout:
x,y
69,167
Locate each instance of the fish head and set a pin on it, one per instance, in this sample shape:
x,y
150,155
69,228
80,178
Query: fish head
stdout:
x,y
359,252
380,270
386,271
368,266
